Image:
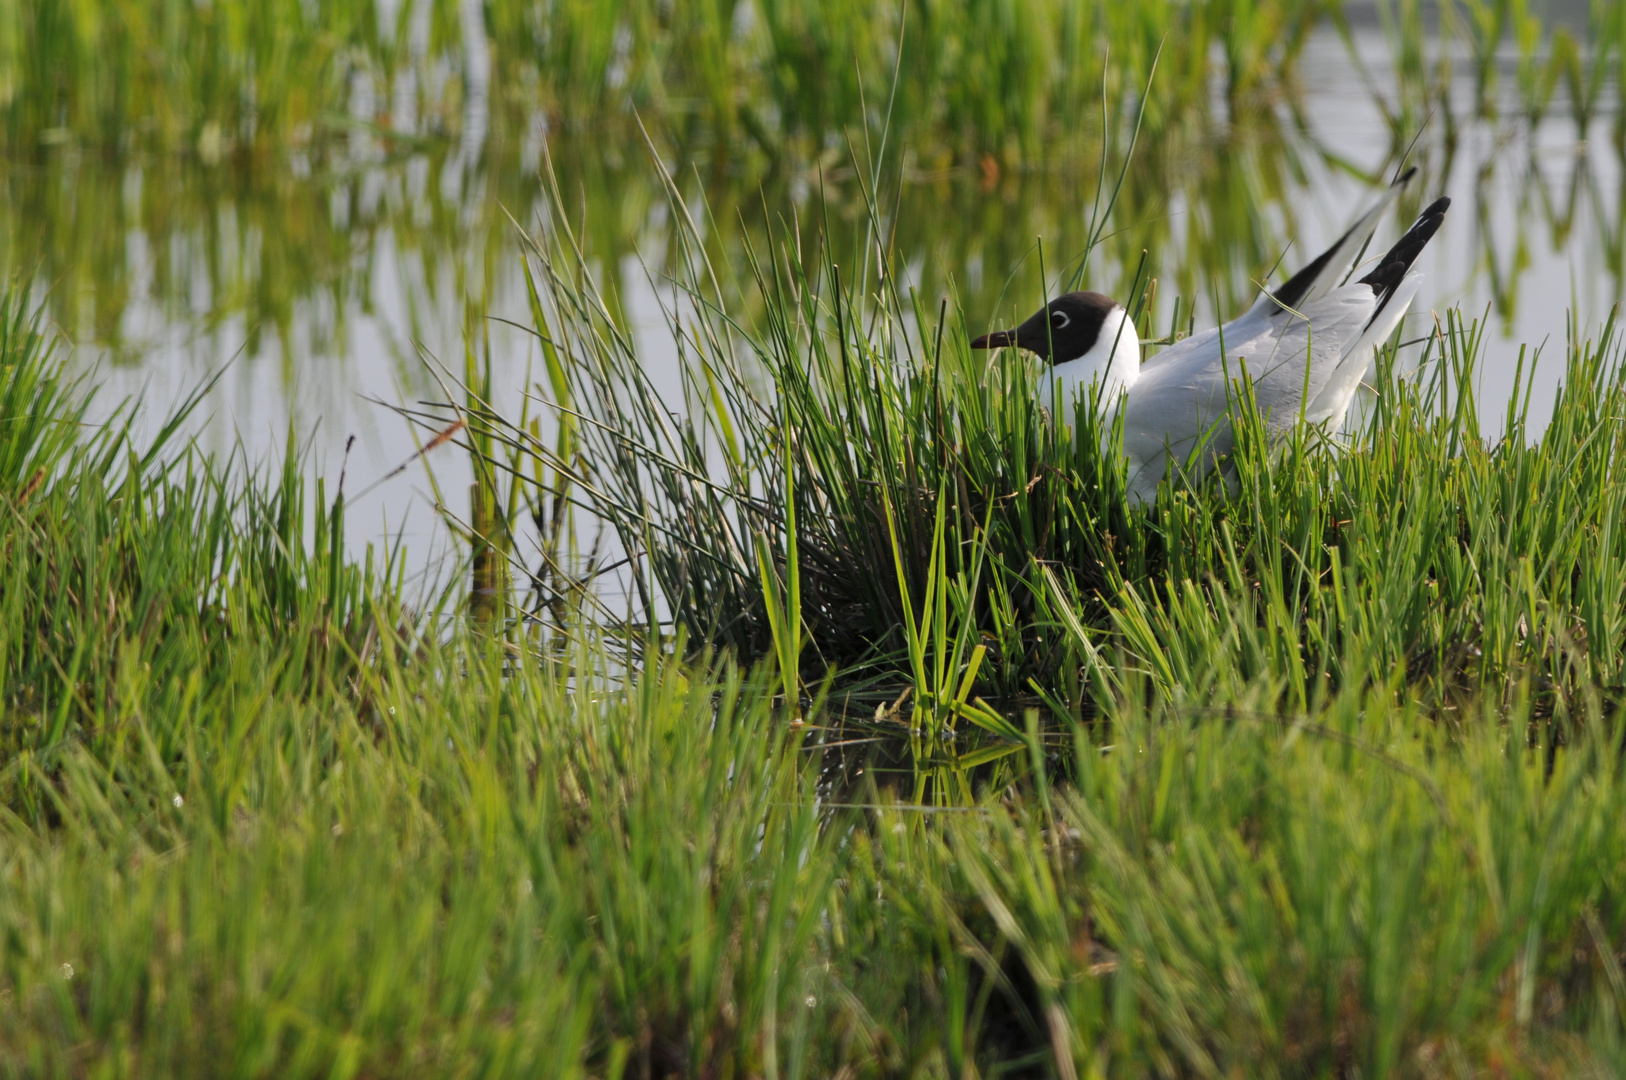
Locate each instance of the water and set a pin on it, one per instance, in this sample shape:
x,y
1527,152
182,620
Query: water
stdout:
x,y
323,282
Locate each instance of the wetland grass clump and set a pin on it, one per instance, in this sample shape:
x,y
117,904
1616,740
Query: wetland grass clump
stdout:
x,y
932,506
259,816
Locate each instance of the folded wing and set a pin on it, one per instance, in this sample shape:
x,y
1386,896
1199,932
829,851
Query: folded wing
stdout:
x,y
1181,403
1304,349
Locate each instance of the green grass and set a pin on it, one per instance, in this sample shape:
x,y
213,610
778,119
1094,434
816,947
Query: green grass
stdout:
x,y
259,843
911,749
1549,63
837,419
482,872
1318,775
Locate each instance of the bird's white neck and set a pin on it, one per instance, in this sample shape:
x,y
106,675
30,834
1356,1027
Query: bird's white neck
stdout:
x,y
1113,364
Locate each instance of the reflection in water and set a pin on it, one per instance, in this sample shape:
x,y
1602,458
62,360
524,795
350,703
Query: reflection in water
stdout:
x,y
324,270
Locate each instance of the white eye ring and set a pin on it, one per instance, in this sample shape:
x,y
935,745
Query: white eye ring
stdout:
x,y
1060,319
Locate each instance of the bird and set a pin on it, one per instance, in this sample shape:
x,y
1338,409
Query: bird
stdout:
x,y
1304,348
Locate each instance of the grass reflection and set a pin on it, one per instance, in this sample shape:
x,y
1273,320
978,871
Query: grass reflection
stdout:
x,y
293,252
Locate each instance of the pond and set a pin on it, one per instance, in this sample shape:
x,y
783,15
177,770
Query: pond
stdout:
x,y
324,287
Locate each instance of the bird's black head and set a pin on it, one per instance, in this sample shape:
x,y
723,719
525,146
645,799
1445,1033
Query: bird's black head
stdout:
x,y
1064,329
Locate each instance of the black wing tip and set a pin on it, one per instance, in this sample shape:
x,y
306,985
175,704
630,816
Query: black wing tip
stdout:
x,y
1294,288
1397,261
1409,246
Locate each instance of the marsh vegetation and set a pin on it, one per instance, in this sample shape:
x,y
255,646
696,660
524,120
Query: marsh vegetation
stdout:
x,y
816,704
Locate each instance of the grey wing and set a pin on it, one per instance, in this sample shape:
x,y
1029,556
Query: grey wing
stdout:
x,y
1180,397
1179,402
1293,364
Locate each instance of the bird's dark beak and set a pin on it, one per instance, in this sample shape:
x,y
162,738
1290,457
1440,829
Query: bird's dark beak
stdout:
x,y
999,339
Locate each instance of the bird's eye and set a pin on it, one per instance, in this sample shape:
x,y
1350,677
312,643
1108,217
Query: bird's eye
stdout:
x,y
1059,319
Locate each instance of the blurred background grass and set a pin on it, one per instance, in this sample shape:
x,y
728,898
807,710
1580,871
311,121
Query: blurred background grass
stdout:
x,y
992,75
174,167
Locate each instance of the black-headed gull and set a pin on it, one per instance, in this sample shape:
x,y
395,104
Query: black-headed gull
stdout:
x,y
1304,348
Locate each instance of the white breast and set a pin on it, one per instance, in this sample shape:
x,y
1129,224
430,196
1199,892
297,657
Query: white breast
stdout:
x,y
1113,364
